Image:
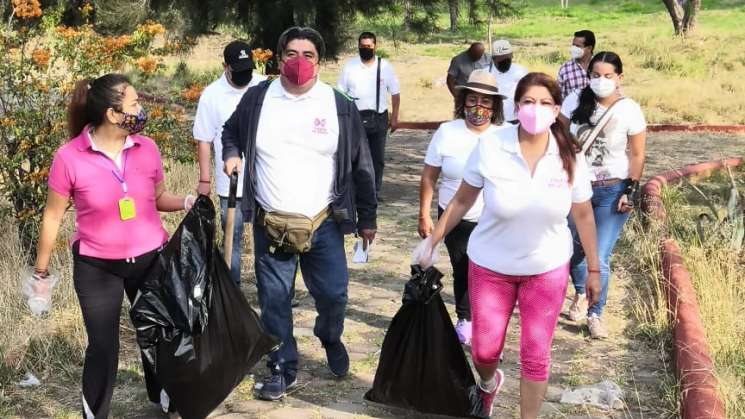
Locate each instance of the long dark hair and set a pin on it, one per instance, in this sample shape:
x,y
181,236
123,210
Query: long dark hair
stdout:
x,y
497,115
587,98
567,146
92,98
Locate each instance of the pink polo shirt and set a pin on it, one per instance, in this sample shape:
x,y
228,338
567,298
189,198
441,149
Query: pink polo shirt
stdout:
x,y
93,181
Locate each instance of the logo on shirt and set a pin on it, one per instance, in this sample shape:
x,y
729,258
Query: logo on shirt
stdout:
x,y
319,126
558,182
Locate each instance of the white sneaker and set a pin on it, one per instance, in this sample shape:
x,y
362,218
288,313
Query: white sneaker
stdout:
x,y
597,329
578,309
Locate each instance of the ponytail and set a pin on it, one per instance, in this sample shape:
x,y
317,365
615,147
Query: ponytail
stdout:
x,y
91,99
77,115
588,101
564,140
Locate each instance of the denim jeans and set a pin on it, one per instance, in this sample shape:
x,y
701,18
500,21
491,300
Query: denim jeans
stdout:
x,y
324,270
609,223
235,259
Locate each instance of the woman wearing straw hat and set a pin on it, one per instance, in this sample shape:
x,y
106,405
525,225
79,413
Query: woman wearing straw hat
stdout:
x,y
478,112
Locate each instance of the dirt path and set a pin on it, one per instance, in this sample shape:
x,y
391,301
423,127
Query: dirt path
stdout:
x,y
374,297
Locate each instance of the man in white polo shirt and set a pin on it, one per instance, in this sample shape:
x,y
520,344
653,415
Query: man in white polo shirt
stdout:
x,y
507,74
368,79
217,103
308,170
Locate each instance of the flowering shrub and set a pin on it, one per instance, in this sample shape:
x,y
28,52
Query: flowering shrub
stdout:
x,y
41,63
261,57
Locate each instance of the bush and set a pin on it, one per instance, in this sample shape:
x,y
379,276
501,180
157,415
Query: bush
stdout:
x,y
42,61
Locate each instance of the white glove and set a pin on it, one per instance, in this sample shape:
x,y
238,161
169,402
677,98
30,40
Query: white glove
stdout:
x,y
38,291
424,254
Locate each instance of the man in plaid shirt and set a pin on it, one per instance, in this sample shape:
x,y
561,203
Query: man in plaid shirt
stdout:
x,y
573,73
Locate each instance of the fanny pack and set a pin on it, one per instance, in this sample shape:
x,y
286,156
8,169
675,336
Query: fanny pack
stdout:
x,y
289,232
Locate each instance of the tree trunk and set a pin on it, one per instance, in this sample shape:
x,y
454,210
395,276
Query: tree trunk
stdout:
x,y
473,12
408,13
453,15
690,19
676,15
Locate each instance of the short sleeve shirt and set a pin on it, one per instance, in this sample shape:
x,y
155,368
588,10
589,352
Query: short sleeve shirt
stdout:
x,y
523,228
449,149
572,77
94,182
358,80
461,67
607,157
507,84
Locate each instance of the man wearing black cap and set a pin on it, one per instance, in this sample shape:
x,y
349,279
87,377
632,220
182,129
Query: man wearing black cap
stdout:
x,y
217,103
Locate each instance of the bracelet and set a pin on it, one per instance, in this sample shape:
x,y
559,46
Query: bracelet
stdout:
x,y
41,273
596,271
204,181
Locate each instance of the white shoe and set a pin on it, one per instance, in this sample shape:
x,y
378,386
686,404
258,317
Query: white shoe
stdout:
x,y
578,309
597,329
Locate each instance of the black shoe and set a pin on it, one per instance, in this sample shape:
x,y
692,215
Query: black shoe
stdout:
x,y
338,359
274,387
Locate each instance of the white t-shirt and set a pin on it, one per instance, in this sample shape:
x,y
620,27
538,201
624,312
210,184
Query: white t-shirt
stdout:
x,y
607,157
449,149
569,104
216,105
507,83
296,145
358,81
523,229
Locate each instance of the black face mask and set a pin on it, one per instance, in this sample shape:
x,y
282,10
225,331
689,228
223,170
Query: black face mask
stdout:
x,y
367,54
504,65
241,78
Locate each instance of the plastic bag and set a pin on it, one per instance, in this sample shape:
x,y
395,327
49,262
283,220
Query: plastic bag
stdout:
x,y
422,364
38,292
197,332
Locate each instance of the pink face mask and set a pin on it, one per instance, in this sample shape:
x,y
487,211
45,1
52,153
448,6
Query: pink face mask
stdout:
x,y
536,119
298,70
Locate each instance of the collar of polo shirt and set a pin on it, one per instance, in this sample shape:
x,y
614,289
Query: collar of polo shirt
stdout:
x,y
513,144
277,90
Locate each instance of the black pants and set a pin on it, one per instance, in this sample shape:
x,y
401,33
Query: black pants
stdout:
x,y
100,285
456,242
376,128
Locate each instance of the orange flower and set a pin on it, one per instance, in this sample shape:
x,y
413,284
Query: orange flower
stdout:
x,y
27,9
152,28
113,44
262,55
147,65
193,93
7,122
156,112
67,33
41,57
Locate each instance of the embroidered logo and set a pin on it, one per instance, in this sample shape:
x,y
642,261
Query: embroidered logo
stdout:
x,y
558,182
319,126
242,55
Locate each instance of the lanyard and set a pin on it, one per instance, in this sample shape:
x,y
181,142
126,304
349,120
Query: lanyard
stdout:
x,y
124,170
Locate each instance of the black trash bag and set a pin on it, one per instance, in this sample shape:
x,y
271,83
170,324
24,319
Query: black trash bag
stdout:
x,y
422,364
196,330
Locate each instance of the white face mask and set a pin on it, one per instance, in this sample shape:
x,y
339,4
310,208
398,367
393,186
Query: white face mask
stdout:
x,y
576,52
602,87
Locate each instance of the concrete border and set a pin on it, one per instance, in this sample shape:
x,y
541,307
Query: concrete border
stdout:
x,y
694,366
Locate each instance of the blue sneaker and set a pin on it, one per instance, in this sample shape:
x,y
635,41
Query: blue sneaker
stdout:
x,y
338,359
274,387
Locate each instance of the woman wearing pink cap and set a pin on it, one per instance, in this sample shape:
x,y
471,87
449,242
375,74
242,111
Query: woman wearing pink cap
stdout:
x,y
519,252
114,176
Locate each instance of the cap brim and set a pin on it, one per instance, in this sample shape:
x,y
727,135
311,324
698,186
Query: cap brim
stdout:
x,y
484,90
242,65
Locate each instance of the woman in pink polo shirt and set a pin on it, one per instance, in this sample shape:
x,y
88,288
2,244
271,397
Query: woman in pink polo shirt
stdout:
x,y
114,176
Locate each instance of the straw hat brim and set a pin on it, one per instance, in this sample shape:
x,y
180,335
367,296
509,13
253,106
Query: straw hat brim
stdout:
x,y
482,88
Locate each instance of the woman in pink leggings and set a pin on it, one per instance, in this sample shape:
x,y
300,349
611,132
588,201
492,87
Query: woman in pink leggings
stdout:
x,y
520,250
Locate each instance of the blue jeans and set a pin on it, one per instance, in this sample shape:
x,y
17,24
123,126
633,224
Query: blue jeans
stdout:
x,y
324,270
235,259
609,223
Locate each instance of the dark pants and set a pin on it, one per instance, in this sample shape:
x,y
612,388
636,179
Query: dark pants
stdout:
x,y
324,270
376,128
100,285
456,242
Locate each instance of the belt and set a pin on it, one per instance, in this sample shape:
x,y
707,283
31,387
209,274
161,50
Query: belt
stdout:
x,y
369,112
606,182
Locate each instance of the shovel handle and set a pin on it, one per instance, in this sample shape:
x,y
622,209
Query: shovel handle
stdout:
x,y
230,219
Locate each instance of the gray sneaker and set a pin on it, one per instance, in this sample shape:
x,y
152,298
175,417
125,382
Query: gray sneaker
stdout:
x,y
597,329
578,309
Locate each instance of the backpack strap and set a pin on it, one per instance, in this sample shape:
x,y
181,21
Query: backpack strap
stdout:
x,y
377,88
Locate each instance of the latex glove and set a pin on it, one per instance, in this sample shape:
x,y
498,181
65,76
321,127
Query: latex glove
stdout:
x,y
189,202
424,254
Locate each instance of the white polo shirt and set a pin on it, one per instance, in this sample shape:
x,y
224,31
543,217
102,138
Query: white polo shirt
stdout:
x,y
449,149
523,228
507,83
296,144
216,105
357,80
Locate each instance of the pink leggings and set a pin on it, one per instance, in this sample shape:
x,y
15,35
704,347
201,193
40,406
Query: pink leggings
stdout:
x,y
493,297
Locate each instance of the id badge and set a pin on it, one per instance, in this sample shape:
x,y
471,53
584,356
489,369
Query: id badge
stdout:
x,y
127,209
